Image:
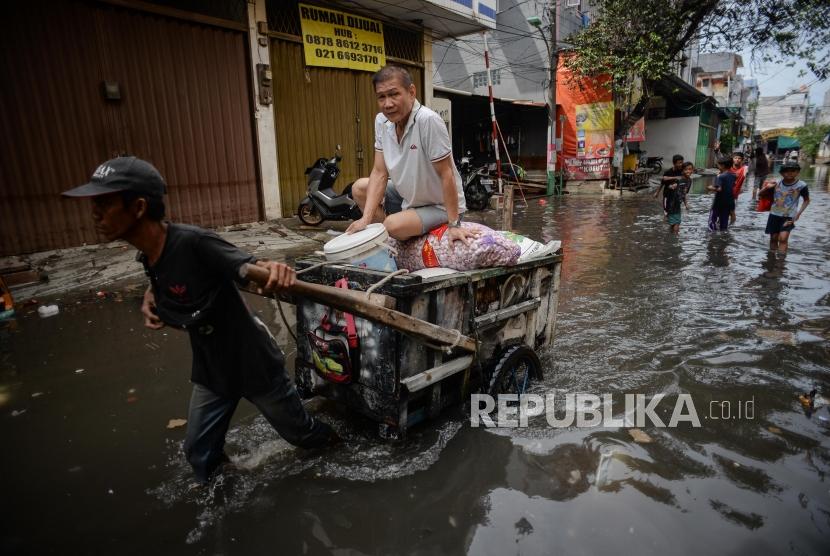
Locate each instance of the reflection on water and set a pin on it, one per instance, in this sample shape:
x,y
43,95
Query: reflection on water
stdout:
x,y
91,466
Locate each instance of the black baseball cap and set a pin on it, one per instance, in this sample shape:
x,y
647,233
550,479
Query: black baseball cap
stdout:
x,y
125,173
790,166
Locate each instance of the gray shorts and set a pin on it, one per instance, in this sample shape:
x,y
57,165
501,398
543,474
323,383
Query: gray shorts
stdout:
x,y
431,216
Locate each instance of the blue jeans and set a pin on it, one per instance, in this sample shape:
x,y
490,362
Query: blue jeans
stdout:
x,y
210,415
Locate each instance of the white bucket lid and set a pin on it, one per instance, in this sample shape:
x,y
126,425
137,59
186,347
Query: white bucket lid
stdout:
x,y
346,246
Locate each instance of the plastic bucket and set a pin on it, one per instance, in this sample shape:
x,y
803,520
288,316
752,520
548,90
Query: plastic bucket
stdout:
x,y
366,249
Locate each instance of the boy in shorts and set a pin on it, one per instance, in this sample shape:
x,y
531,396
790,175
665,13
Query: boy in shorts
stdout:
x,y
785,212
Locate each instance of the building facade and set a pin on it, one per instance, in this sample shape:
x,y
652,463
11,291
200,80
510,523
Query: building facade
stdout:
x,y
220,95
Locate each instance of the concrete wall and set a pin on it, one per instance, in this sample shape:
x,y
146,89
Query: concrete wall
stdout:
x,y
671,136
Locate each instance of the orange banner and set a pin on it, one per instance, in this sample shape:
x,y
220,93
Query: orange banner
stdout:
x,y
637,131
588,128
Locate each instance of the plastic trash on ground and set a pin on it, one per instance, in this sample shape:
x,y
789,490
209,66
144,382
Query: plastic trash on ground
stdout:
x,y
47,310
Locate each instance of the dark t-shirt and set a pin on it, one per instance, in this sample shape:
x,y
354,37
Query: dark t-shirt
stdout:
x,y
724,198
670,173
761,165
673,198
670,195
194,282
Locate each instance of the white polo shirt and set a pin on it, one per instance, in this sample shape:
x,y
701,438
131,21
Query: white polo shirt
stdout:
x,y
425,140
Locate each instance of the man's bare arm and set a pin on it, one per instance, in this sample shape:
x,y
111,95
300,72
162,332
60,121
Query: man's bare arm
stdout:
x,y
374,194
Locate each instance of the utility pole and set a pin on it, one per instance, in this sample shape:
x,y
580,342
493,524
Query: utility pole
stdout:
x,y
507,212
552,49
553,56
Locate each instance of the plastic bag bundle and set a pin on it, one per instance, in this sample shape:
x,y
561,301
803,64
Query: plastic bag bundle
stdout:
x,y
434,249
530,248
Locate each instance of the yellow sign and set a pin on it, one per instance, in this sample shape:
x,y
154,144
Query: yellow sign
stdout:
x,y
777,132
335,39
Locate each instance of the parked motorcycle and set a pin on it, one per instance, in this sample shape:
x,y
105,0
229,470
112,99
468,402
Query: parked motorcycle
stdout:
x,y
321,202
476,183
653,163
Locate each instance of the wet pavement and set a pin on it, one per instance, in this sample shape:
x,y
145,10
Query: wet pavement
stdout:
x,y
89,465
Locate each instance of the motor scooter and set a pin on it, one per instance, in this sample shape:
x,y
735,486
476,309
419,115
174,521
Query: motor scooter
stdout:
x,y
653,163
475,182
322,203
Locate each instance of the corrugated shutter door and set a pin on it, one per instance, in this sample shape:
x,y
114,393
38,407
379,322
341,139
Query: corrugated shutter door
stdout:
x,y
185,106
314,111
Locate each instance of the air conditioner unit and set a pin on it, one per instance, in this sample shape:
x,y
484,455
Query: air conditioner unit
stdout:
x,y
573,3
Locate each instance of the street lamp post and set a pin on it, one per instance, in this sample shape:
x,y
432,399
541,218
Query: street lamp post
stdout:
x,y
553,61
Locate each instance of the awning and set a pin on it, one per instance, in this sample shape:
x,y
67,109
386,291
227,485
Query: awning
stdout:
x,y
523,102
445,18
785,142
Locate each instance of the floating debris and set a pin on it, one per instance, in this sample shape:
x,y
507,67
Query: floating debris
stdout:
x,y
602,468
79,371
176,423
16,412
640,436
776,336
46,311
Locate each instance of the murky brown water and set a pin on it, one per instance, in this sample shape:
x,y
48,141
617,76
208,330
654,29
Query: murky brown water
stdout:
x,y
88,465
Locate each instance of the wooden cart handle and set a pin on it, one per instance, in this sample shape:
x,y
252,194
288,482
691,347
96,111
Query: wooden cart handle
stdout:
x,y
359,304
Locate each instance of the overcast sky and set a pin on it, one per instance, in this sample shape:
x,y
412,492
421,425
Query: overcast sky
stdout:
x,y
777,79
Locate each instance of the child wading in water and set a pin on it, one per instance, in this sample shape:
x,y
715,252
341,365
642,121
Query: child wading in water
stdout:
x,y
675,195
739,169
670,176
724,202
788,191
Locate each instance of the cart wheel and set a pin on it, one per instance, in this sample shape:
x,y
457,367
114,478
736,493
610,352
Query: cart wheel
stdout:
x,y
514,371
309,215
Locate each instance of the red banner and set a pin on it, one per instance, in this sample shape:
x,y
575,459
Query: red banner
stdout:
x,y
637,131
588,168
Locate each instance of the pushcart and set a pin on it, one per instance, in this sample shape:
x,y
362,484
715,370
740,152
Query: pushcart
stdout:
x,y
397,379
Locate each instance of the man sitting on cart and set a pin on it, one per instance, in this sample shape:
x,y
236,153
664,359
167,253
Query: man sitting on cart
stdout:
x,y
412,147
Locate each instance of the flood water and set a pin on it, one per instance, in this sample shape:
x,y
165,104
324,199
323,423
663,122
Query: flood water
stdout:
x,y
90,467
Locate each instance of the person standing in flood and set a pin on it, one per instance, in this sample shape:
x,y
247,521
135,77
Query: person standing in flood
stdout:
x,y
739,169
762,170
669,178
784,212
675,197
723,206
194,276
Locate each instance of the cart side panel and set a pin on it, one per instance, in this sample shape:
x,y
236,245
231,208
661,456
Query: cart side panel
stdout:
x,y
541,287
413,354
450,312
377,348
554,304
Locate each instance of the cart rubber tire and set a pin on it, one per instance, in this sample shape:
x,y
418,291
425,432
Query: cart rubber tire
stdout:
x,y
514,370
309,215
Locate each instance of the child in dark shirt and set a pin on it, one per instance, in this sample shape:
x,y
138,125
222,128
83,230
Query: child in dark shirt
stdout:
x,y
724,202
675,196
670,176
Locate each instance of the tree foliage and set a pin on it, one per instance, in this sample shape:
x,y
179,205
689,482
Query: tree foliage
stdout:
x,y
642,41
810,137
